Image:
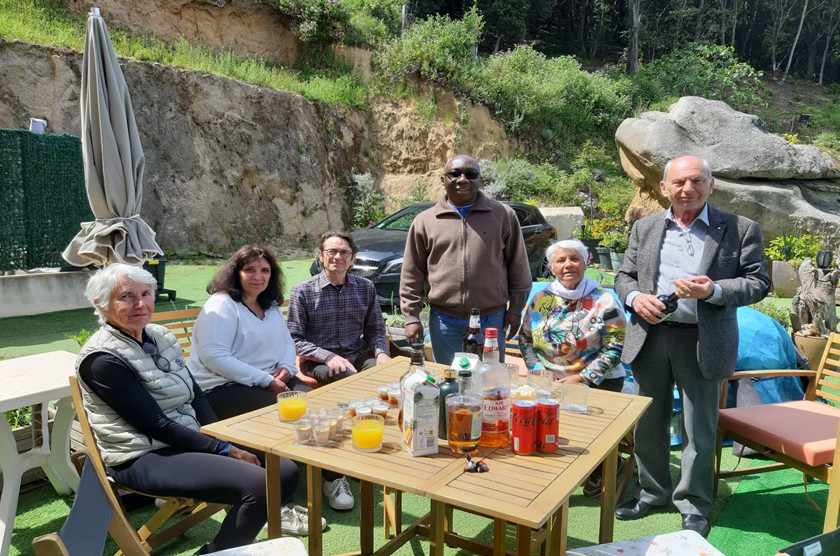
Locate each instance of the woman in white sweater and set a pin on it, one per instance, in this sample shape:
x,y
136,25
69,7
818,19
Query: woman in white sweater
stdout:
x,y
242,354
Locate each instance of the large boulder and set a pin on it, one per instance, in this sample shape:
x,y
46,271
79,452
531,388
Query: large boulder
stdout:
x,y
757,174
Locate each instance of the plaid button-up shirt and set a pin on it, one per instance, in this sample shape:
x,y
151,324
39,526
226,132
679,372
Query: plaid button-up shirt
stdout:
x,y
326,321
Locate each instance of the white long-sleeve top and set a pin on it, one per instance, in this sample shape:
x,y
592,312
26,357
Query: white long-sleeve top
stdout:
x,y
230,344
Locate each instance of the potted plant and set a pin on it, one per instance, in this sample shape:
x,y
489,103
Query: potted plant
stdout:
x,y
786,252
619,241
602,229
586,234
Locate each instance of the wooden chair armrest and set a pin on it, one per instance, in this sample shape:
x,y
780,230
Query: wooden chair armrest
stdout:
x,y
761,373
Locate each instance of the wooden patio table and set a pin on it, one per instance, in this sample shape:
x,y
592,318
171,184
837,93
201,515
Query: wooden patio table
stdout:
x,y
531,492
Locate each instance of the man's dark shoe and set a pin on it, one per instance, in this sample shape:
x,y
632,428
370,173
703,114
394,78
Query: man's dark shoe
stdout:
x,y
696,523
634,509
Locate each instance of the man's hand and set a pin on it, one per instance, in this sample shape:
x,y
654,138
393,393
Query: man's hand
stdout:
x,y
696,287
512,322
338,364
572,379
414,332
247,457
382,358
648,307
277,386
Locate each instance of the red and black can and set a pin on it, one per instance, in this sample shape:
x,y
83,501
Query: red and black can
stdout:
x,y
523,426
548,425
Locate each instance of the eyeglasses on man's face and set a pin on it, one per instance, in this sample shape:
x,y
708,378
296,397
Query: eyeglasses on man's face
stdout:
x,y
469,174
161,362
345,253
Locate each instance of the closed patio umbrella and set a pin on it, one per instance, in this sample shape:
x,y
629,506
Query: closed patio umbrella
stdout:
x,y
113,161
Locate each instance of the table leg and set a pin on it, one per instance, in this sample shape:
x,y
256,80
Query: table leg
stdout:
x,y
605,534
366,516
500,537
436,528
314,495
523,540
57,466
559,530
12,467
273,495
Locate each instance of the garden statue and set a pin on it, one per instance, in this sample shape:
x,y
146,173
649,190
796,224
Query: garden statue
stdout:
x,y
813,311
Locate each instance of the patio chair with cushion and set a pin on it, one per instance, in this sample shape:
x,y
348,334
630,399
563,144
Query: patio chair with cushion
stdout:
x,y
799,434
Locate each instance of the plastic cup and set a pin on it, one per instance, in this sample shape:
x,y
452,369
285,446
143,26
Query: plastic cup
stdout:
x,y
543,379
394,394
353,405
303,430
367,433
513,369
575,398
380,408
321,431
291,405
382,392
371,401
363,410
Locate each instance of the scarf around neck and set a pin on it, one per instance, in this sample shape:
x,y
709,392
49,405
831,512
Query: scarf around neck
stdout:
x,y
584,288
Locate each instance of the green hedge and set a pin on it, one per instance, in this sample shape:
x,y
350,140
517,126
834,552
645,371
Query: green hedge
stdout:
x,y
42,195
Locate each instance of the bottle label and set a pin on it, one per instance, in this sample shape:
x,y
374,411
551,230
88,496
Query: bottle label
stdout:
x,y
496,406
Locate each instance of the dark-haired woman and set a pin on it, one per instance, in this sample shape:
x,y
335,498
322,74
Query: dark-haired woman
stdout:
x,y
242,353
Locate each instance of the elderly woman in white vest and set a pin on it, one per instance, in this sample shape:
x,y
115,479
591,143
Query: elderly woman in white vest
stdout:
x,y
146,411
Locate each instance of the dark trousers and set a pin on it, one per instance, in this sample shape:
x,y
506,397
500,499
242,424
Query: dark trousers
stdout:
x,y
321,372
669,357
232,399
210,478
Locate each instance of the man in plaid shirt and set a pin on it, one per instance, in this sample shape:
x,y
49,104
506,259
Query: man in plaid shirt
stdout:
x,y
334,317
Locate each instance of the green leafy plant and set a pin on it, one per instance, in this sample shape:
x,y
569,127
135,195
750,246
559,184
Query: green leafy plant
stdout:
x,y
707,70
793,247
19,417
81,337
318,21
585,231
438,48
367,204
618,241
777,313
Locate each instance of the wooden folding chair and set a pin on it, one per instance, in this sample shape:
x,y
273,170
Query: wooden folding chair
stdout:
x,y
800,434
85,531
181,324
151,534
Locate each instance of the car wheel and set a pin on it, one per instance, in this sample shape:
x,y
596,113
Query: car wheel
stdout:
x,y
544,271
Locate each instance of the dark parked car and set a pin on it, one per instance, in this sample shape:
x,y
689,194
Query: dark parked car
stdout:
x,y
381,247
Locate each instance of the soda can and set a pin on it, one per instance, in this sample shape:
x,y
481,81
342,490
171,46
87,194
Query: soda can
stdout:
x,y
523,426
548,425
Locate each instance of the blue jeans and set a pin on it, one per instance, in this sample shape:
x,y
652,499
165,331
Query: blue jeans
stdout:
x,y
447,338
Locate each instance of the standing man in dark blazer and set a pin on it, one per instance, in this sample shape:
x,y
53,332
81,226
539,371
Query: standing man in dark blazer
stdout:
x,y
714,262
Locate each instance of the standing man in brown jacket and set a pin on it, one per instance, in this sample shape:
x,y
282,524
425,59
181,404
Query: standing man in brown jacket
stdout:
x,y
468,249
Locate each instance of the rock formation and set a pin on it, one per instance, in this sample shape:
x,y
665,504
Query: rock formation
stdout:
x,y
757,174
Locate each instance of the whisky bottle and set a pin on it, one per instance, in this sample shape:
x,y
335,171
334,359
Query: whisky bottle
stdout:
x,y
494,385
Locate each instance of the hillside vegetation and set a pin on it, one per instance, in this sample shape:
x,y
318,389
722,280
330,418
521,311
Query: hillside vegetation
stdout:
x,y
563,116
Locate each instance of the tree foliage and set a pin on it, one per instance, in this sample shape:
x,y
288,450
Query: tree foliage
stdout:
x,y
710,71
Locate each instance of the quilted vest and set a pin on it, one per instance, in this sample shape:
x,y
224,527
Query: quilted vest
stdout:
x,y
118,441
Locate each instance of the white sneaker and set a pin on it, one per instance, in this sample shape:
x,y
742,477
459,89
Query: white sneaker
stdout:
x,y
303,517
290,522
338,494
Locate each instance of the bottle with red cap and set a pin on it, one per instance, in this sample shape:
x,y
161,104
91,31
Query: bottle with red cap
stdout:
x,y
494,385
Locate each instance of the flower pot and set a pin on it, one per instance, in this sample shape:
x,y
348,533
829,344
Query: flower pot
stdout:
x,y
604,258
812,346
785,279
617,260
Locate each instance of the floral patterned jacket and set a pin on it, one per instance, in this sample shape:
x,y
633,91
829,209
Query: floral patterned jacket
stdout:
x,y
574,336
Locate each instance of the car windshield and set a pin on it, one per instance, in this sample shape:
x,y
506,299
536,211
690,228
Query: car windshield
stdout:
x,y
401,220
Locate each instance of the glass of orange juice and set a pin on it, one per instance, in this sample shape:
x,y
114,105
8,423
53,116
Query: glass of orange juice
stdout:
x,y
367,432
291,405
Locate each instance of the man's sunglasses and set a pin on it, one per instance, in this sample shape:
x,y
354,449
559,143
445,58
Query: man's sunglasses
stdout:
x,y
161,362
469,174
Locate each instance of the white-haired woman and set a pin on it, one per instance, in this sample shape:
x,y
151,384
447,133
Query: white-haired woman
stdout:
x,y
575,328
146,411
